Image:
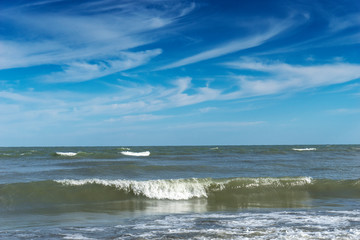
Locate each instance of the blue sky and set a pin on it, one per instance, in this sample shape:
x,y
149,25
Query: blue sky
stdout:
x,y
166,72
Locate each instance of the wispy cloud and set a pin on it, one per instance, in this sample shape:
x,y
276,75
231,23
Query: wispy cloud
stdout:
x,y
228,125
344,111
274,29
140,98
83,35
139,118
337,24
16,97
207,109
132,103
333,32
281,77
139,102
84,71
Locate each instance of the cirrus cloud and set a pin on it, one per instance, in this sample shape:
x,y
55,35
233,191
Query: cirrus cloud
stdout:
x,y
282,77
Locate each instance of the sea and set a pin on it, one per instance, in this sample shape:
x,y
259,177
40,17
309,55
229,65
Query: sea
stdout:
x,y
180,192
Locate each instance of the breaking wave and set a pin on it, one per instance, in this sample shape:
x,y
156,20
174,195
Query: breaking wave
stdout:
x,y
235,192
66,154
124,148
136,154
304,149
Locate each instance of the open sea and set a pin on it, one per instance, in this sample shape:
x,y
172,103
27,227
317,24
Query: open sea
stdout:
x,y
189,192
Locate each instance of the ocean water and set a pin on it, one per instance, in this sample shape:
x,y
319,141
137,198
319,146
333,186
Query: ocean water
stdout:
x,y
190,192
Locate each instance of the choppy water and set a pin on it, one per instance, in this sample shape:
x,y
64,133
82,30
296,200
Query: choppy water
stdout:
x,y
207,192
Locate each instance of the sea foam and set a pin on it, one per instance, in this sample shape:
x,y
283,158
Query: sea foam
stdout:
x,y
255,225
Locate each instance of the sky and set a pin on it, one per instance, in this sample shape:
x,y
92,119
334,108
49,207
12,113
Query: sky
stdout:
x,y
176,72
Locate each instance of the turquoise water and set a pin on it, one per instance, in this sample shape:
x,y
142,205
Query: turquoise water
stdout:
x,y
207,192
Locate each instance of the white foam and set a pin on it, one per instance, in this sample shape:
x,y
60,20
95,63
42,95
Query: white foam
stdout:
x,y
76,236
136,154
304,149
124,148
252,225
276,182
184,189
177,189
66,154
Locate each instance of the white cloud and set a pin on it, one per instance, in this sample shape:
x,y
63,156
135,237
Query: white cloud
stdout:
x,y
39,3
275,28
281,77
337,31
207,109
138,102
229,125
16,97
178,97
70,36
342,111
132,103
24,54
139,118
139,98
182,84
84,71
337,24
188,9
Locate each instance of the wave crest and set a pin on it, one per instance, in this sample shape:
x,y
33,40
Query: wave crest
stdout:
x,y
136,154
177,189
218,193
66,154
183,189
304,149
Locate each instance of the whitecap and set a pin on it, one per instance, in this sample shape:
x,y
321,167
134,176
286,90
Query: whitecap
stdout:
x,y
172,189
184,189
124,148
6,154
66,154
304,149
136,154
